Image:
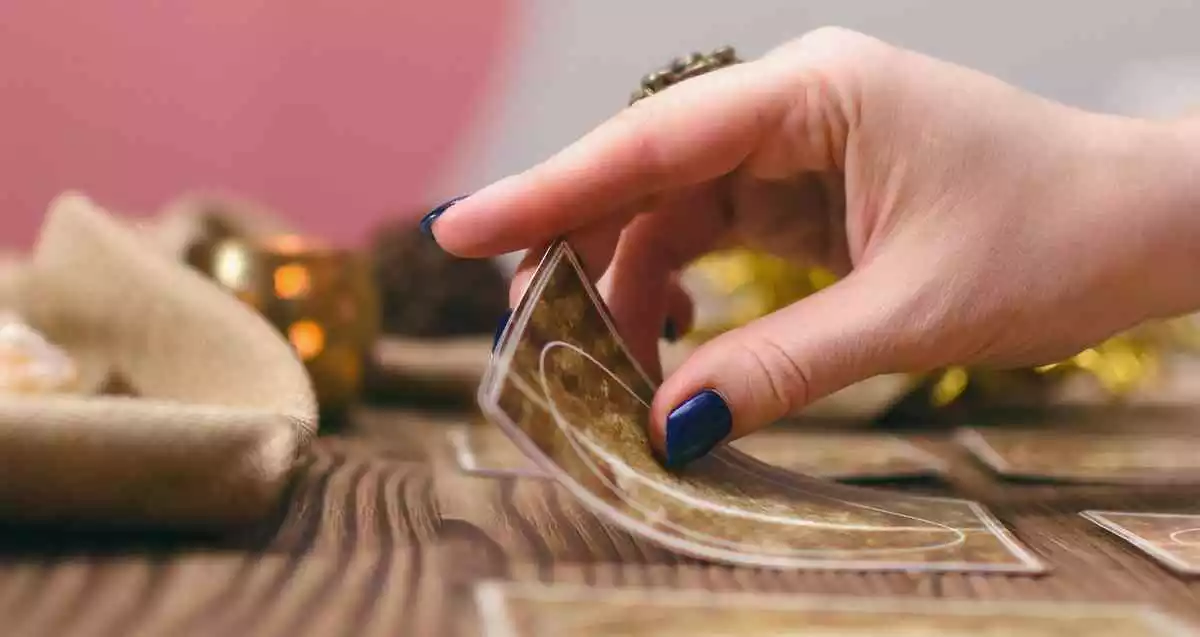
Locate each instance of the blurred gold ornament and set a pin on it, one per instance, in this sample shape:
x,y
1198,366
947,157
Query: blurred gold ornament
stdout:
x,y
733,287
949,386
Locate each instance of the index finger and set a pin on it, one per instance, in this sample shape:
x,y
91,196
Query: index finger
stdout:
x,y
693,132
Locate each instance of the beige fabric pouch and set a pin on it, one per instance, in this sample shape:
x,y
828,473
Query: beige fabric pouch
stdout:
x,y
220,406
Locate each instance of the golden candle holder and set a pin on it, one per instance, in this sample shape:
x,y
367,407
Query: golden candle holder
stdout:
x,y
323,299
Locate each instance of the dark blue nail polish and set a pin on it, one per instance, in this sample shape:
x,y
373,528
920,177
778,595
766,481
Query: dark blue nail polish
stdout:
x,y
427,220
500,328
670,332
696,426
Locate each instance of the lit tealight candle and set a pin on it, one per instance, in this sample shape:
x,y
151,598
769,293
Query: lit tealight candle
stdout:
x,y
321,298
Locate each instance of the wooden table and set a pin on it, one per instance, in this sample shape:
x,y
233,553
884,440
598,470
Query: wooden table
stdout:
x,y
382,535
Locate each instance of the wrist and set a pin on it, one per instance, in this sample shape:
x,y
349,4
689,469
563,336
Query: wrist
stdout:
x,y
1151,188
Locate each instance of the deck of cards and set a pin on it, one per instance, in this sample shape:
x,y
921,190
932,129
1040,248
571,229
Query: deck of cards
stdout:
x,y
563,386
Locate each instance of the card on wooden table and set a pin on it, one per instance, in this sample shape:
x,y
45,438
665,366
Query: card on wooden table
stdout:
x,y
846,457
544,610
487,451
1096,457
563,385
1171,538
849,457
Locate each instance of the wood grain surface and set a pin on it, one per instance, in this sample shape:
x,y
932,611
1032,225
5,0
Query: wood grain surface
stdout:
x,y
381,534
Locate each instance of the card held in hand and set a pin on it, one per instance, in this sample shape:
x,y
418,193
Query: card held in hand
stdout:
x,y
564,387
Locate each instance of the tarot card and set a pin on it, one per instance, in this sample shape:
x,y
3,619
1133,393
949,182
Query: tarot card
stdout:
x,y
1093,457
487,451
563,385
847,457
544,610
1173,539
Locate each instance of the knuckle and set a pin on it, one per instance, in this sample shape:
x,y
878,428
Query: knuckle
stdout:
x,y
636,127
786,381
829,41
840,41
841,56
834,70
831,35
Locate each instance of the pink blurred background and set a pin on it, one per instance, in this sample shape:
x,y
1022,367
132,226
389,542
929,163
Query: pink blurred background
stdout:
x,y
339,113
335,112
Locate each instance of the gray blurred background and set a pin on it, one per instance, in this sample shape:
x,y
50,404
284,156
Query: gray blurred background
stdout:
x,y
577,60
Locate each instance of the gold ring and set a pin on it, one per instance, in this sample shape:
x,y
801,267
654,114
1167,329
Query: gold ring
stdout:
x,y
683,68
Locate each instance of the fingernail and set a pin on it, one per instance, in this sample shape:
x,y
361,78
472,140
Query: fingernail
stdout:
x,y
670,332
696,426
500,328
432,216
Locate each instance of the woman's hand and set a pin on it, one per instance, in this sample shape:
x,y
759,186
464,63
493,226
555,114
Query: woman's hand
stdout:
x,y
974,224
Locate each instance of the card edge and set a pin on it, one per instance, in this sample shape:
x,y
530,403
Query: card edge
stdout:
x,y
777,600
993,460
1153,551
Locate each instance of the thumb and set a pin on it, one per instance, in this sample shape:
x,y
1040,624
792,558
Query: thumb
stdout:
x,y
750,377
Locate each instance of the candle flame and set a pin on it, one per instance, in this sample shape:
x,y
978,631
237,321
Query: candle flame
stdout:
x,y
292,281
308,338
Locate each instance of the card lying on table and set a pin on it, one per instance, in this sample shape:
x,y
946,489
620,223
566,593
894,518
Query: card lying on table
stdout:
x,y
1171,538
564,387
847,457
1095,457
537,610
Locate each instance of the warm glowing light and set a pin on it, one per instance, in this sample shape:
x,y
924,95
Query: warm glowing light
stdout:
x,y
288,244
308,338
292,281
231,266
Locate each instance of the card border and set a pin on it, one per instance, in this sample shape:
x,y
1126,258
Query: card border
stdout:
x,y
488,400
459,439
975,442
491,596
1100,518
